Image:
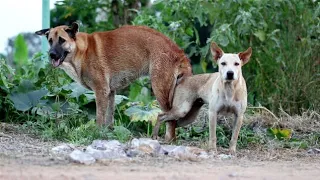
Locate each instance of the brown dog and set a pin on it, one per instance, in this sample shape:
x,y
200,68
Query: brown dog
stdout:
x,y
224,91
107,61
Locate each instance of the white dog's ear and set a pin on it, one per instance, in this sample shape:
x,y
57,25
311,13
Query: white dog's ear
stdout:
x,y
245,56
216,51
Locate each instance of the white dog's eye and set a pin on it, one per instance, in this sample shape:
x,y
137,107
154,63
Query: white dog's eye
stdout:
x,y
236,64
223,63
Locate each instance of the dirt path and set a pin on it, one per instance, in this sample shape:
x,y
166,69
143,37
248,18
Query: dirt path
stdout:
x,y
231,169
25,157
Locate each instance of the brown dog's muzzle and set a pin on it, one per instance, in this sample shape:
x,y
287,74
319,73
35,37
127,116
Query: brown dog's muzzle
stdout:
x,y
57,58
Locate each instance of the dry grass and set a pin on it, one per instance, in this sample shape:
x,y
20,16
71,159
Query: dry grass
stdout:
x,y
308,122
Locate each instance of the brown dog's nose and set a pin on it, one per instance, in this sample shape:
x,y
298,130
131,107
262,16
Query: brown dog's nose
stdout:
x,y
230,75
53,55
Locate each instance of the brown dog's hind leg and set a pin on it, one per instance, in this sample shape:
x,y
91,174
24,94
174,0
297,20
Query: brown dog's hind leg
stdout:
x,y
164,79
171,131
163,85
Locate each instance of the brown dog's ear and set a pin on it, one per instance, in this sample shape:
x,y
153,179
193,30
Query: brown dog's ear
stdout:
x,y
73,29
216,51
43,32
245,56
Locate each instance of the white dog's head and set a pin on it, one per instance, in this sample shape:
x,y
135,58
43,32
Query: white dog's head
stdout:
x,y
230,64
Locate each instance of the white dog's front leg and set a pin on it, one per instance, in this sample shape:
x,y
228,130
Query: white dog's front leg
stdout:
x,y
235,133
212,130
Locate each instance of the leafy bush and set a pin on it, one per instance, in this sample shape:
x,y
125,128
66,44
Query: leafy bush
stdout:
x,y
284,70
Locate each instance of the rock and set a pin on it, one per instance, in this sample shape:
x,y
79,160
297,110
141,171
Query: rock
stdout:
x,y
233,174
63,149
101,149
185,152
224,156
81,157
313,151
144,146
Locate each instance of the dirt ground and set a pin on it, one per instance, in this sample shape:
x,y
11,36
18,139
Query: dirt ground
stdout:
x,y
26,157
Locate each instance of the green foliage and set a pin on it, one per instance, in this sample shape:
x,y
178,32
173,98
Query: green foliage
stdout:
x,y
140,90
6,72
25,101
141,112
280,133
284,35
20,51
96,15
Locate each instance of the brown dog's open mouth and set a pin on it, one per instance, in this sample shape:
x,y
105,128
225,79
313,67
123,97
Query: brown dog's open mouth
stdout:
x,y
57,62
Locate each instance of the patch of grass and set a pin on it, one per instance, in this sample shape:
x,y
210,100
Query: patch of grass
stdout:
x,y
260,129
76,129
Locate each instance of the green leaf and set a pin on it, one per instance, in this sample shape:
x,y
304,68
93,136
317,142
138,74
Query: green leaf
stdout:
x,y
280,134
120,98
77,90
138,113
20,51
261,35
204,65
189,31
122,133
25,101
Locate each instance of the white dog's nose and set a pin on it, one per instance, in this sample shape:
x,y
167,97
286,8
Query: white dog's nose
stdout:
x,y
230,75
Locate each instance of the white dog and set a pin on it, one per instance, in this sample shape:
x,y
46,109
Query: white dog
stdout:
x,y
224,91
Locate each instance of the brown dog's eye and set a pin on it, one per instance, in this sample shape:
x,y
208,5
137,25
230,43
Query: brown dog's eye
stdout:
x,y
50,41
61,40
223,63
236,64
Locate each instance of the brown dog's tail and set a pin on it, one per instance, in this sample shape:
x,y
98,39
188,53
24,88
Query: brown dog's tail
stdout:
x,y
191,116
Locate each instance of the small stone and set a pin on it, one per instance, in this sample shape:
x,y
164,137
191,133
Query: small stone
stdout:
x,y
233,174
185,151
81,157
196,151
313,151
224,156
63,149
144,146
101,149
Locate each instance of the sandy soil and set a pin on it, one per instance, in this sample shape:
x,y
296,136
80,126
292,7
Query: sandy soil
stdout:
x,y
25,157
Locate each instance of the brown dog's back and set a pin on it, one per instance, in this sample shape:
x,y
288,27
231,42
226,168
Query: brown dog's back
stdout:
x,y
132,51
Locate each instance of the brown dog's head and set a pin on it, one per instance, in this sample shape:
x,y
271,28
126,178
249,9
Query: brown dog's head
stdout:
x,y
230,64
62,42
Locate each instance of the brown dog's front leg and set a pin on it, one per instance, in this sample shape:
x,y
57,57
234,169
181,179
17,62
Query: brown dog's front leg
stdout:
x,y
110,109
212,130
102,105
235,133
